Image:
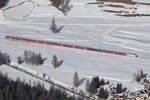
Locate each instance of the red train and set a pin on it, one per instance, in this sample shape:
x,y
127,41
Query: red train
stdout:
x,y
70,46
113,52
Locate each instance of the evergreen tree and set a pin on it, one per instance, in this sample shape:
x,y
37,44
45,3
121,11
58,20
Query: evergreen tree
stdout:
x,y
102,82
53,26
87,86
19,90
54,61
103,93
2,59
19,60
1,95
96,82
3,3
141,73
75,80
93,88
138,78
119,88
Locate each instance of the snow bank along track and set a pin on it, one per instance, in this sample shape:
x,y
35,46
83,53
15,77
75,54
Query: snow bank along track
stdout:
x,y
52,81
69,46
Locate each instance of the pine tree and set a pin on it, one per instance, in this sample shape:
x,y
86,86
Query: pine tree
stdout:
x,y
93,88
2,59
19,60
55,62
75,80
96,82
102,82
141,73
53,26
138,78
103,93
119,88
87,86
1,95
3,3
19,90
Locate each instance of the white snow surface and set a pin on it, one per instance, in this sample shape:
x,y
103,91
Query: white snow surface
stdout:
x,y
84,25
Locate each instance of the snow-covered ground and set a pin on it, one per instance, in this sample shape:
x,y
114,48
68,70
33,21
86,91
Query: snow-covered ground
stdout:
x,y
84,25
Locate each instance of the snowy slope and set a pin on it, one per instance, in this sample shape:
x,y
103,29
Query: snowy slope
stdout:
x,y
84,25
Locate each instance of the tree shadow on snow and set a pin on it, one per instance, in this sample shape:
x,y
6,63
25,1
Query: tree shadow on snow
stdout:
x,y
43,60
82,80
60,28
60,63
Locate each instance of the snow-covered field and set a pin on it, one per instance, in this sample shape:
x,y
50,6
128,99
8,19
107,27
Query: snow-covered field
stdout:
x,y
84,25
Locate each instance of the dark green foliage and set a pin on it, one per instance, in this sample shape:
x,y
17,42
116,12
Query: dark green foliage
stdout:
x,y
2,59
140,75
93,88
55,61
95,84
103,93
138,78
19,90
3,3
19,60
53,26
102,82
119,88
75,80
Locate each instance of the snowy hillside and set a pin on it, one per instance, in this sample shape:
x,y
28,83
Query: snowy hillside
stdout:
x,y
84,25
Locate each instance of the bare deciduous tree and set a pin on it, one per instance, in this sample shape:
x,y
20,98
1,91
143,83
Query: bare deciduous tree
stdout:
x,y
32,58
63,5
